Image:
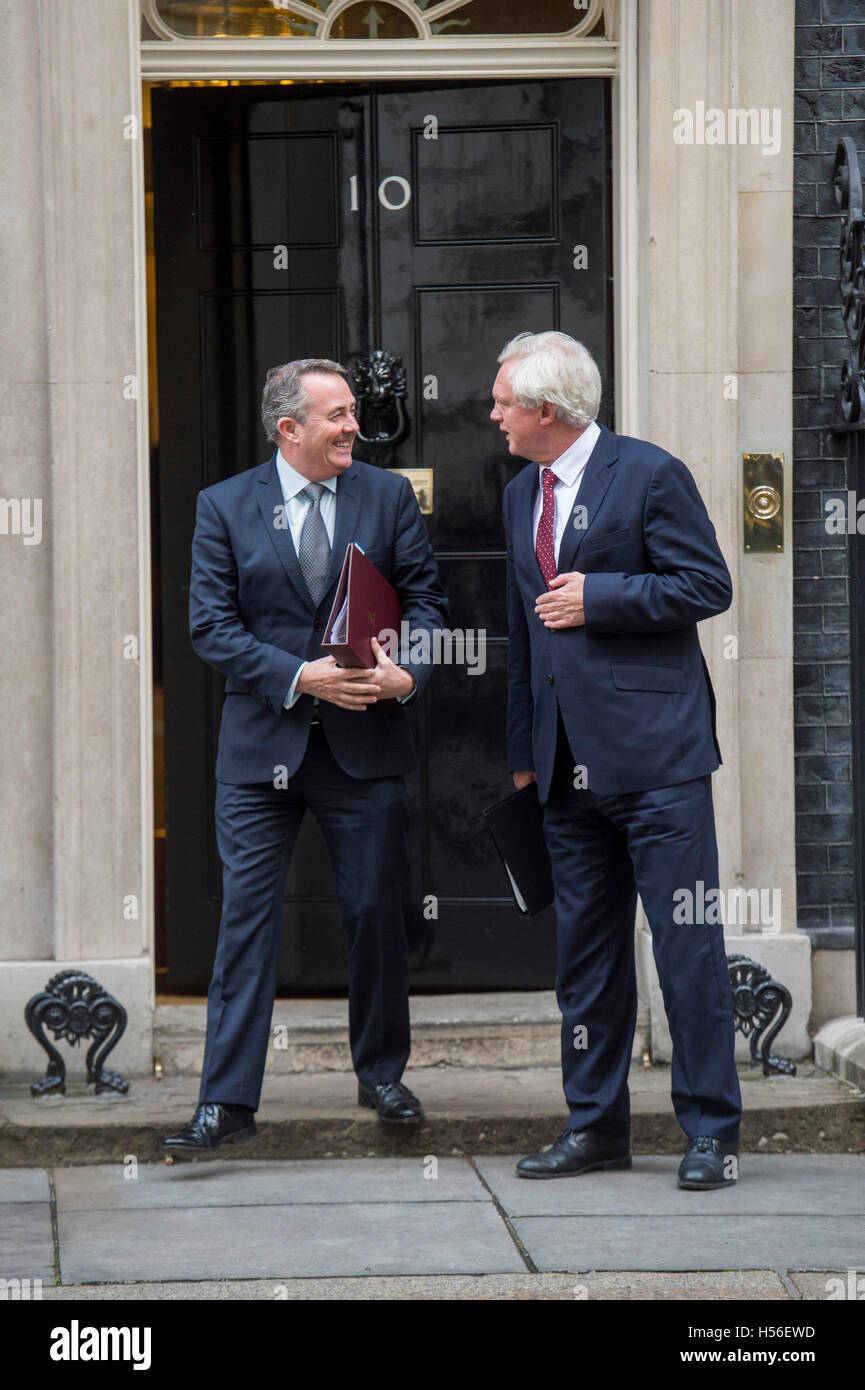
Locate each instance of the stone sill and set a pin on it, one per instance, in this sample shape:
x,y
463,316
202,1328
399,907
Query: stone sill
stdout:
x,y
839,1048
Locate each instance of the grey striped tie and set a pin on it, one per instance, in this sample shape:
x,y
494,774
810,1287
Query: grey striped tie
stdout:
x,y
314,548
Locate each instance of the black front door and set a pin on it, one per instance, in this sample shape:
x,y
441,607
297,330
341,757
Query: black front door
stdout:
x,y
435,224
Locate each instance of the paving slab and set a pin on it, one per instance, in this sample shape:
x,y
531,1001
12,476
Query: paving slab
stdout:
x,y
692,1243
759,1285
235,1183
26,1241
24,1185
148,1244
830,1286
779,1184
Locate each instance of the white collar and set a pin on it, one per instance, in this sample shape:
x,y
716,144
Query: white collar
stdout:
x,y
568,465
294,482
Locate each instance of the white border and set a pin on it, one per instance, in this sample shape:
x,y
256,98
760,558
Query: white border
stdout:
x,y
147,906
626,226
364,60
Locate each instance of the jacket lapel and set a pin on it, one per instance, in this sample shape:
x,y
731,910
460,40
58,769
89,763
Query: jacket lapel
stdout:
x,y
597,476
523,510
272,507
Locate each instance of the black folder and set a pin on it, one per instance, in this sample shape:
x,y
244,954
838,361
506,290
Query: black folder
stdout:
x,y
517,827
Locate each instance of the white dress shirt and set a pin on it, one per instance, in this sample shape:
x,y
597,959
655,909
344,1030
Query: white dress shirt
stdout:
x,y
296,508
569,468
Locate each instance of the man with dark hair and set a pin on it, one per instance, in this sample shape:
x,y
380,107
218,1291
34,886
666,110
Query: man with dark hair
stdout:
x,y
612,562
298,731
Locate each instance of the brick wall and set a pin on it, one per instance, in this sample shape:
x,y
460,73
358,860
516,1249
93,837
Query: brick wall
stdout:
x,y
830,102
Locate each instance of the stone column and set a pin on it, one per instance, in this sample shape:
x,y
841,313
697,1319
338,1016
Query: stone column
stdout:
x,y
26,801
765,363
717,221
79,762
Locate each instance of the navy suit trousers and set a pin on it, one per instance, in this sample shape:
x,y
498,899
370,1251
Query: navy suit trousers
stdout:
x,y
605,850
364,824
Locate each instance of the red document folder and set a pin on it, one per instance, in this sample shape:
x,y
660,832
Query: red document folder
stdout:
x,y
366,605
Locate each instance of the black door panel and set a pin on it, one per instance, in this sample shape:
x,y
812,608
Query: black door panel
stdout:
x,y
321,221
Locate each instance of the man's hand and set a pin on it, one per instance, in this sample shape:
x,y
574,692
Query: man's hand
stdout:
x,y
392,680
562,605
348,687
524,779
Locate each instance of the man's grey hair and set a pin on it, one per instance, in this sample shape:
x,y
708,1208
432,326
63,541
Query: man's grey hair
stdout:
x,y
554,367
284,393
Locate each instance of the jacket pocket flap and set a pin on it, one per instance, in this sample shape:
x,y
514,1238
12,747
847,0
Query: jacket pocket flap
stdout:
x,y
671,679
607,539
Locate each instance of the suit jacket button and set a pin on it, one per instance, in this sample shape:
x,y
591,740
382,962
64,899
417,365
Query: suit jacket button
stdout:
x,y
550,680
318,626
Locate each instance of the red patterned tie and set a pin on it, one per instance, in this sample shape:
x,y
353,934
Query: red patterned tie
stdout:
x,y
545,542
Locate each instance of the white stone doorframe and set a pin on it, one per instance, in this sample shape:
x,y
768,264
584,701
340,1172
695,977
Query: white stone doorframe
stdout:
x,y
536,59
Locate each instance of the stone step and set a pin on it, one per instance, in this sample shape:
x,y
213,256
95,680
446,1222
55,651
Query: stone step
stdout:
x,y
469,1110
513,1029
472,1030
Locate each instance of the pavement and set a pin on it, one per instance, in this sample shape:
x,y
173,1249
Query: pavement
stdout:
x,y
433,1227
327,1203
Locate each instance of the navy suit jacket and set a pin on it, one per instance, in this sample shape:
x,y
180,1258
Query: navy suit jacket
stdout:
x,y
632,686
252,618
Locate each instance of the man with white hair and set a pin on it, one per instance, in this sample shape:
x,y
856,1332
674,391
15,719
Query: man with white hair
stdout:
x,y
612,562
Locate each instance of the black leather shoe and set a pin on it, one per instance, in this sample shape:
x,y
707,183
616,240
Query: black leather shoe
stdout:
x,y
210,1126
576,1151
394,1102
709,1163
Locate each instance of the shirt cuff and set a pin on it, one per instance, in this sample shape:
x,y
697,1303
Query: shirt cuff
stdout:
x,y
293,693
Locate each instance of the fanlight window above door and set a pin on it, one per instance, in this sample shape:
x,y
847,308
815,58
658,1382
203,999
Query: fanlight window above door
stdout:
x,y
374,19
